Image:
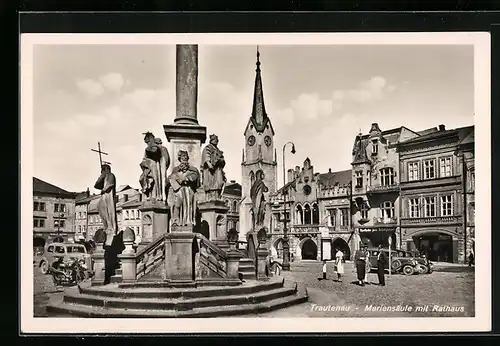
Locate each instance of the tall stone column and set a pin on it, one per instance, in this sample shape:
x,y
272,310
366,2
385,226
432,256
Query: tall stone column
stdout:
x,y
185,133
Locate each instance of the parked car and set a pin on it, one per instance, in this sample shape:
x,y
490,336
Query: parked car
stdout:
x,y
401,262
67,251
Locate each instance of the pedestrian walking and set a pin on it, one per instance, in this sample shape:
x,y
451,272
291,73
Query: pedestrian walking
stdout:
x,y
339,264
381,262
360,258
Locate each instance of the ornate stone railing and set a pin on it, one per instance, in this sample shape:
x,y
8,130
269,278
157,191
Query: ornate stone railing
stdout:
x,y
301,229
431,220
382,188
212,259
148,258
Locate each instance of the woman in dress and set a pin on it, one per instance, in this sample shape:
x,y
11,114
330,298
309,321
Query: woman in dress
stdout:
x,y
339,264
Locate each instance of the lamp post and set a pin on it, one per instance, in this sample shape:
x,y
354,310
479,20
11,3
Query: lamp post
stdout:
x,y
286,245
390,243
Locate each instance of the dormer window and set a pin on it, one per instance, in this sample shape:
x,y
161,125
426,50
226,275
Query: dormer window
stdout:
x,y
374,147
359,179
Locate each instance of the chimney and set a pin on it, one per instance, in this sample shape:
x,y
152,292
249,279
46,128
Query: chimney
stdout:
x,y
125,198
441,127
290,175
232,181
140,197
329,170
87,193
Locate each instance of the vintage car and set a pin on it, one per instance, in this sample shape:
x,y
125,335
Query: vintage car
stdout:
x,y
401,262
67,251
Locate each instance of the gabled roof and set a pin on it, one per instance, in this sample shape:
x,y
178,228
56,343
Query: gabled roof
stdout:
x,y
130,204
42,187
461,132
233,188
335,178
121,188
86,199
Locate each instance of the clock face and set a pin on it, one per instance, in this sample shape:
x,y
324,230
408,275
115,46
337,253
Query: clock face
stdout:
x,y
251,140
307,190
267,140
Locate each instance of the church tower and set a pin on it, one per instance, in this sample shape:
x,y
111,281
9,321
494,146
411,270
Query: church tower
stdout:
x,y
259,152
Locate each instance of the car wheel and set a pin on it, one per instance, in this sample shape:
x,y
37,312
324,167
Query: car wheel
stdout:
x,y
395,265
44,267
422,269
408,270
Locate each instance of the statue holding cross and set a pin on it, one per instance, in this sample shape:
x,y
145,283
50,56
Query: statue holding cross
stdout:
x,y
107,203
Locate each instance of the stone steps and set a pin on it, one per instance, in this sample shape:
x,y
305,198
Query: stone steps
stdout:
x,y
143,300
247,269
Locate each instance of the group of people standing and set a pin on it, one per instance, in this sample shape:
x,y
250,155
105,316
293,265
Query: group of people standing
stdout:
x,y
361,257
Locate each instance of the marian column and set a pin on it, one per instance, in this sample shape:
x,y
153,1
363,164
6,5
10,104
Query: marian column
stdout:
x,y
185,133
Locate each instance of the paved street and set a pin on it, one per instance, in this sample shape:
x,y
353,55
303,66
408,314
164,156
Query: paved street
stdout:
x,y
450,285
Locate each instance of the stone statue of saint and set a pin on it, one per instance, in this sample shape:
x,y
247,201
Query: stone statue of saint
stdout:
x,y
154,167
107,203
257,191
212,166
184,180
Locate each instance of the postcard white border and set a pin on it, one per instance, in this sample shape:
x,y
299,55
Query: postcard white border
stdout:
x,y
482,116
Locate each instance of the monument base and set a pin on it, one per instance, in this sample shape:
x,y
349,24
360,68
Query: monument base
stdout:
x,y
214,213
154,220
179,255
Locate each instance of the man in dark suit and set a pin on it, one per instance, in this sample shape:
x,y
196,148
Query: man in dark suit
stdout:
x,y
381,262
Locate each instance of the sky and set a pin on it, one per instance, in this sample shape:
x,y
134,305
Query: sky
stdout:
x,y
318,97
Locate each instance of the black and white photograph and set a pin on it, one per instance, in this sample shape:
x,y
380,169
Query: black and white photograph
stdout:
x,y
260,182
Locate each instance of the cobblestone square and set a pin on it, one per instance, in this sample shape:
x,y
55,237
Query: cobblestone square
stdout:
x,y
448,289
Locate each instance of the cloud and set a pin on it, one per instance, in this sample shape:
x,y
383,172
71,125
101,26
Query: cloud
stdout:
x,y
112,81
310,106
372,89
90,87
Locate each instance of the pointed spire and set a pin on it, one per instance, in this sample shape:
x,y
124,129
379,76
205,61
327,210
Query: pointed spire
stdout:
x,y
259,116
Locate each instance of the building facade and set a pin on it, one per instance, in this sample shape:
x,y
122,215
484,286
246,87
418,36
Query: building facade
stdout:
x,y
232,198
259,155
376,186
317,213
53,213
437,185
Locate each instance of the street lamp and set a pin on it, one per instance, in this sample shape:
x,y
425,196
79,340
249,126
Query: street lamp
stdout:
x,y
286,246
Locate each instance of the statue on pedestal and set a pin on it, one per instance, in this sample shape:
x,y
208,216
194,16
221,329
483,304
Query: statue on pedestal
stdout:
x,y
212,167
154,167
107,203
257,191
184,180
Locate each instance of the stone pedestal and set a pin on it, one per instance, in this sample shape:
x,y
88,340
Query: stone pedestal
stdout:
x,y
233,257
214,213
179,256
99,266
154,220
127,257
262,254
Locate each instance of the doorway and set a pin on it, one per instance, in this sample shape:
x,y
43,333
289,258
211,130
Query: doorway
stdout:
x,y
309,250
342,245
436,246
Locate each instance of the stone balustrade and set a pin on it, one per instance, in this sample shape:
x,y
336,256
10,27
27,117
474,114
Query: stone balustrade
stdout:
x,y
431,220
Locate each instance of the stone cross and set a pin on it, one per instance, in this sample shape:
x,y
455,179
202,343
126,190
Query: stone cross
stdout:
x,y
100,153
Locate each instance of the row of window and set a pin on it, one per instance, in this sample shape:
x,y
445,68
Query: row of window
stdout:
x,y
233,207
426,206
387,177
40,223
58,207
342,219
387,210
132,214
428,170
